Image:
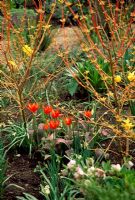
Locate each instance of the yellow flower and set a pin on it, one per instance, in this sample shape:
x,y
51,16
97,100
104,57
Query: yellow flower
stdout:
x,y
110,94
86,72
61,1
13,64
118,118
86,30
26,49
104,78
127,125
68,3
63,20
79,4
76,16
103,99
102,3
117,79
85,49
131,76
46,26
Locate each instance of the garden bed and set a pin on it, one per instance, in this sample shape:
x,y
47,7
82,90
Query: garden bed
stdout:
x,y
68,107
22,177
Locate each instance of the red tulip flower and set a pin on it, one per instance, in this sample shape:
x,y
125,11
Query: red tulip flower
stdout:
x,y
87,113
57,123
47,109
54,124
68,121
33,107
46,126
55,113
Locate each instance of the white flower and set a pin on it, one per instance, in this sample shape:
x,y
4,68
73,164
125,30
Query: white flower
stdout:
x,y
79,173
76,175
91,171
116,167
129,164
87,182
90,161
100,173
46,190
64,172
71,164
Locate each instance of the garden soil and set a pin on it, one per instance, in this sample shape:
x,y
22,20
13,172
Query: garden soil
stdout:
x,y
22,177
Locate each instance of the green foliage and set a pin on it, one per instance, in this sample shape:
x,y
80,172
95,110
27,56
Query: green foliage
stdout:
x,y
72,86
46,42
18,136
132,107
52,185
20,3
2,168
43,66
120,186
27,197
1,20
129,55
93,75
87,68
28,16
68,15
128,61
79,148
24,19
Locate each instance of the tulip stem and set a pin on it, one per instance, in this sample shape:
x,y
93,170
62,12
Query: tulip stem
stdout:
x,y
35,137
127,146
22,109
47,98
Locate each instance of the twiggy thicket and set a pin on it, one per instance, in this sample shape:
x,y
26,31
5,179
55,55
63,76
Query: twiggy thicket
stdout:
x,y
108,34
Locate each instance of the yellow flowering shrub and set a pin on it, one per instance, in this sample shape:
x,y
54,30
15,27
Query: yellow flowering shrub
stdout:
x,y
26,49
117,79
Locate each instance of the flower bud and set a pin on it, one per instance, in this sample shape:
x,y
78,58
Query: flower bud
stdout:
x,y
116,167
100,173
91,171
129,164
71,164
